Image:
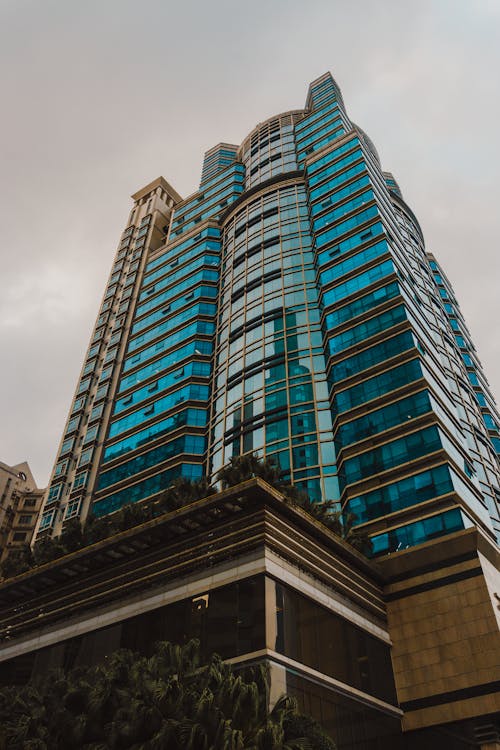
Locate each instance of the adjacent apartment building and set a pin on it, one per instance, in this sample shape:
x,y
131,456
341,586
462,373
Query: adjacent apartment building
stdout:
x,y
287,307
20,503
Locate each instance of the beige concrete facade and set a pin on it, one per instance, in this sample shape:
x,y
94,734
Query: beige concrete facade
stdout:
x,y
20,503
443,614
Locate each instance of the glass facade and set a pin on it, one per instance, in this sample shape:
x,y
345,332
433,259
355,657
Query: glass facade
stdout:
x,y
270,391
288,307
235,620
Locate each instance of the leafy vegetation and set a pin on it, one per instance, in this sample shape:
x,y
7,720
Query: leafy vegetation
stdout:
x,y
166,702
182,492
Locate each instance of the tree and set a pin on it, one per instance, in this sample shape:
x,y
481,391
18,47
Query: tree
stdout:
x,y
19,560
248,466
166,702
182,492
47,549
72,535
342,524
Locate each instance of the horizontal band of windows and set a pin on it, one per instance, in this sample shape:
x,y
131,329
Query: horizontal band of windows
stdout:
x,y
380,420
386,349
354,261
264,279
284,196
314,131
324,191
363,331
333,255
273,321
223,203
210,181
146,488
168,361
270,236
271,242
341,291
280,429
189,417
333,135
206,274
252,423
277,407
168,255
202,308
277,370
196,328
170,277
418,532
361,305
391,454
206,199
271,336
318,168
255,368
196,369
276,162
192,392
323,208
333,199
256,322
251,222
334,215
403,494
377,386
212,208
186,444
318,114
265,142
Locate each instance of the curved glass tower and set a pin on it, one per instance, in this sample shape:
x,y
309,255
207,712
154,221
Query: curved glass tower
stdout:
x,y
288,307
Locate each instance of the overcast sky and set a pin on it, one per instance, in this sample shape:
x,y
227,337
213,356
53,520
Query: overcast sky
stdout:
x,y
99,98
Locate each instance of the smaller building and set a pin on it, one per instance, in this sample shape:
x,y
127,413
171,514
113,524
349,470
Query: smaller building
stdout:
x,y
398,653
20,503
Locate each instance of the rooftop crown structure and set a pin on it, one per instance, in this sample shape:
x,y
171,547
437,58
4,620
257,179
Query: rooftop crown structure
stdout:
x,y
288,307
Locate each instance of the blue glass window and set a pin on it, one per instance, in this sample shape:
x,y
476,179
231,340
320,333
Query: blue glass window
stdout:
x,y
384,418
419,532
169,277
378,385
327,187
333,198
372,356
347,226
189,392
193,444
205,274
402,494
146,488
362,304
164,363
201,308
201,369
332,156
364,279
190,417
391,454
199,327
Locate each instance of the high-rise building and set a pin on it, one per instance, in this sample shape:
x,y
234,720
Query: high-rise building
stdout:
x,y
288,307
